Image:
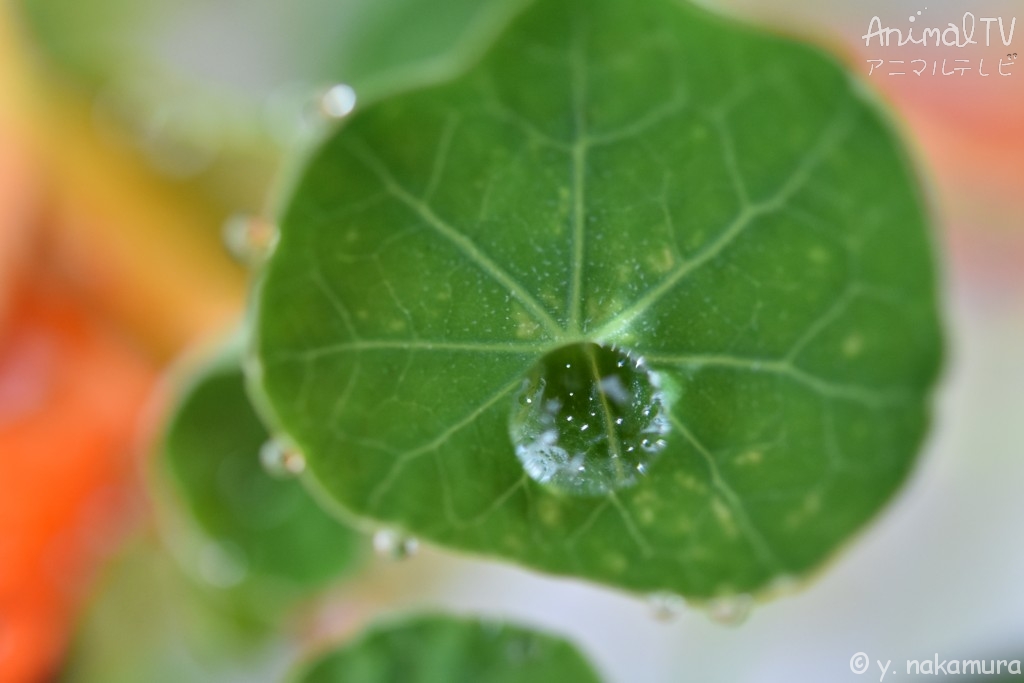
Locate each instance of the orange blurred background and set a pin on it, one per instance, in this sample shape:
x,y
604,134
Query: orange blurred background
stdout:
x,y
94,301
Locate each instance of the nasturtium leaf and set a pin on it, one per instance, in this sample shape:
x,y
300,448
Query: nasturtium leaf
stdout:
x,y
252,526
723,206
145,621
439,649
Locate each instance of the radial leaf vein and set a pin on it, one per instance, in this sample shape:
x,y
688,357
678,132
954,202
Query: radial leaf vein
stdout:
x,y
827,141
578,84
403,459
823,387
416,345
456,238
757,541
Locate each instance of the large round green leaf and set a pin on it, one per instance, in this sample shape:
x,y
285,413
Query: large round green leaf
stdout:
x,y
436,649
647,182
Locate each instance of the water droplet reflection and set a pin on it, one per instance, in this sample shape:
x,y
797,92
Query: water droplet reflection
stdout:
x,y
394,545
666,606
733,610
249,239
589,419
280,461
338,101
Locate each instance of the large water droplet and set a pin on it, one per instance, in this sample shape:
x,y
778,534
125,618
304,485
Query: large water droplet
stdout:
x,y
280,461
394,545
589,419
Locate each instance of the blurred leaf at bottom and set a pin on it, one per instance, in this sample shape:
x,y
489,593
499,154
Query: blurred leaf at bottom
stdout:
x,y
439,649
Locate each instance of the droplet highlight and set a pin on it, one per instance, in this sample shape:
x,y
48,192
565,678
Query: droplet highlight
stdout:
x,y
394,545
733,610
280,461
666,606
249,239
589,419
338,101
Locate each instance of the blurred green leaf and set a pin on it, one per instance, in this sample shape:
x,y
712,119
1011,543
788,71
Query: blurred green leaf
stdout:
x,y
437,649
146,622
255,528
664,183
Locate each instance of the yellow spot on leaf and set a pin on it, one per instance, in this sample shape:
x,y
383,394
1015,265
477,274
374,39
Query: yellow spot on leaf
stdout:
x,y
819,255
724,516
662,261
549,512
853,345
526,326
616,563
749,458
